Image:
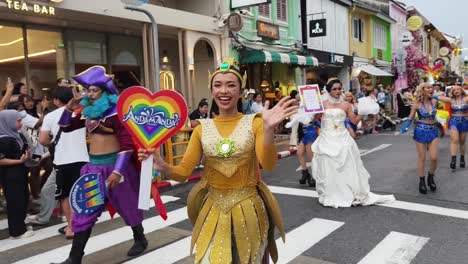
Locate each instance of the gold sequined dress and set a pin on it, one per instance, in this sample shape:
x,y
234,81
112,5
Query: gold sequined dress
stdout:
x,y
232,211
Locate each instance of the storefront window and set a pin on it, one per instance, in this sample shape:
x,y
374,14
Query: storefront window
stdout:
x,y
126,59
85,49
46,57
11,55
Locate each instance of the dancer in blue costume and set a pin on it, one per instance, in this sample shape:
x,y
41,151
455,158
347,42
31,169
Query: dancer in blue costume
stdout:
x,y
426,134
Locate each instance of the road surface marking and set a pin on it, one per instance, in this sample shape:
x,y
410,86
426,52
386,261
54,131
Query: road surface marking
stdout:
x,y
424,208
166,255
51,231
109,239
304,237
383,146
395,248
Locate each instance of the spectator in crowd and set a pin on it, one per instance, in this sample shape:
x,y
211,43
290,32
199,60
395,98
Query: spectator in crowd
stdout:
x,y
62,82
31,124
7,95
247,107
257,105
70,155
381,96
13,173
200,113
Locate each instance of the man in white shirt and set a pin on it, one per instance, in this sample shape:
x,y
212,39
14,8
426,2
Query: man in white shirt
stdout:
x,y
70,152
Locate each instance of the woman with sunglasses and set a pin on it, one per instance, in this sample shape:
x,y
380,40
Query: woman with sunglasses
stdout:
x,y
425,134
341,179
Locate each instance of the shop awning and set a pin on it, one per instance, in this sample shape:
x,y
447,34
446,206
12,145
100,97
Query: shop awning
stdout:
x,y
372,70
258,56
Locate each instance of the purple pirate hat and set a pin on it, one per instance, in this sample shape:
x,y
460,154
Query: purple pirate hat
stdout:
x,y
97,76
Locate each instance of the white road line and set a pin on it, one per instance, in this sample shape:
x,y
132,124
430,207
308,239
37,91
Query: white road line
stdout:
x,y
298,241
383,146
304,237
109,239
395,248
51,231
166,255
430,209
293,191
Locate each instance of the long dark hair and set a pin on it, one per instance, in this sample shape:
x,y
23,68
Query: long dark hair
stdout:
x,y
33,111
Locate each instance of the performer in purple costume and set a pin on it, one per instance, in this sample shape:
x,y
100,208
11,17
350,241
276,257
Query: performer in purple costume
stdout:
x,y
111,157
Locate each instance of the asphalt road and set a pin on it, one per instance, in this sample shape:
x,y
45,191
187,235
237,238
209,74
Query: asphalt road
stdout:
x,y
431,228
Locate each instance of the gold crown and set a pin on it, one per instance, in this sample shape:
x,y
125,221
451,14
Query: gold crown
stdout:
x,y
228,66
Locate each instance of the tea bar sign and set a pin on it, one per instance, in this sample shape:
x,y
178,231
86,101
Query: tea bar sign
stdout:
x,y
34,8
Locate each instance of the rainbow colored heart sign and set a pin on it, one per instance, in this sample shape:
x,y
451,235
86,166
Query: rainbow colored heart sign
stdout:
x,y
151,119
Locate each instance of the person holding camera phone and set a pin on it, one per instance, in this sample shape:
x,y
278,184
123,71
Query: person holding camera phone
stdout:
x,y
13,173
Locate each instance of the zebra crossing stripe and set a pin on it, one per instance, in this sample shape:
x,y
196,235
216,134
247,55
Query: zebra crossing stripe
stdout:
x,y
395,248
109,239
303,237
51,231
298,240
166,255
293,191
424,208
428,209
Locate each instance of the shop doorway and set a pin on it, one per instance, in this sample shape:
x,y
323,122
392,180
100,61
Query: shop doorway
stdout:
x,y
204,62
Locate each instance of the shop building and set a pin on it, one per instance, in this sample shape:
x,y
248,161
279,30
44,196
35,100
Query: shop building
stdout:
x,y
269,46
327,38
44,40
400,40
370,46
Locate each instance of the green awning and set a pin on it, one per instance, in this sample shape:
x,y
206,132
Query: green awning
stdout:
x,y
258,56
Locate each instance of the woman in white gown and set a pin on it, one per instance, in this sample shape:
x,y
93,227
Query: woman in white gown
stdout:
x,y
341,179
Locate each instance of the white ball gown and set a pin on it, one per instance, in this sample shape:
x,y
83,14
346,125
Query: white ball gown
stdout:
x,y
342,180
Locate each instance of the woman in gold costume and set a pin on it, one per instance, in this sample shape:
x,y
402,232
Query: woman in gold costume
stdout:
x,y
232,211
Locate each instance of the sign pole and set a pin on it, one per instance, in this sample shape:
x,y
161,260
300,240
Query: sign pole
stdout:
x,y
154,27
146,173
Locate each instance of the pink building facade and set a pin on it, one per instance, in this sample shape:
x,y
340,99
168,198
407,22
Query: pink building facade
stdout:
x,y
398,13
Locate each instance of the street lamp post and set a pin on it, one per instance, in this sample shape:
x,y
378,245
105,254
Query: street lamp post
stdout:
x,y
147,165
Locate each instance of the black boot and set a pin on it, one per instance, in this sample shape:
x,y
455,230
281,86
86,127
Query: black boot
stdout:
x,y
453,163
311,181
431,182
77,251
305,176
140,243
462,161
422,185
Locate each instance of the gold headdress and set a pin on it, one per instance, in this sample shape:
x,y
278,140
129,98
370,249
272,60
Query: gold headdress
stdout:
x,y
228,65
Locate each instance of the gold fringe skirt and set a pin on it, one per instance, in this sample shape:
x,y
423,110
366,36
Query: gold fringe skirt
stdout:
x,y
233,225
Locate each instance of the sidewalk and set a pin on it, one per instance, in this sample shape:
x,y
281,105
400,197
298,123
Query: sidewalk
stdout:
x,y
283,151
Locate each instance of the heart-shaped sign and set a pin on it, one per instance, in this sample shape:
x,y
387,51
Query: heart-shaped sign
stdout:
x,y
151,119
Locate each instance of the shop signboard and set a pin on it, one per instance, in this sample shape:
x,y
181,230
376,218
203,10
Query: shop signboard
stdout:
x,y
22,6
245,3
235,22
267,30
336,58
414,23
318,28
406,38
